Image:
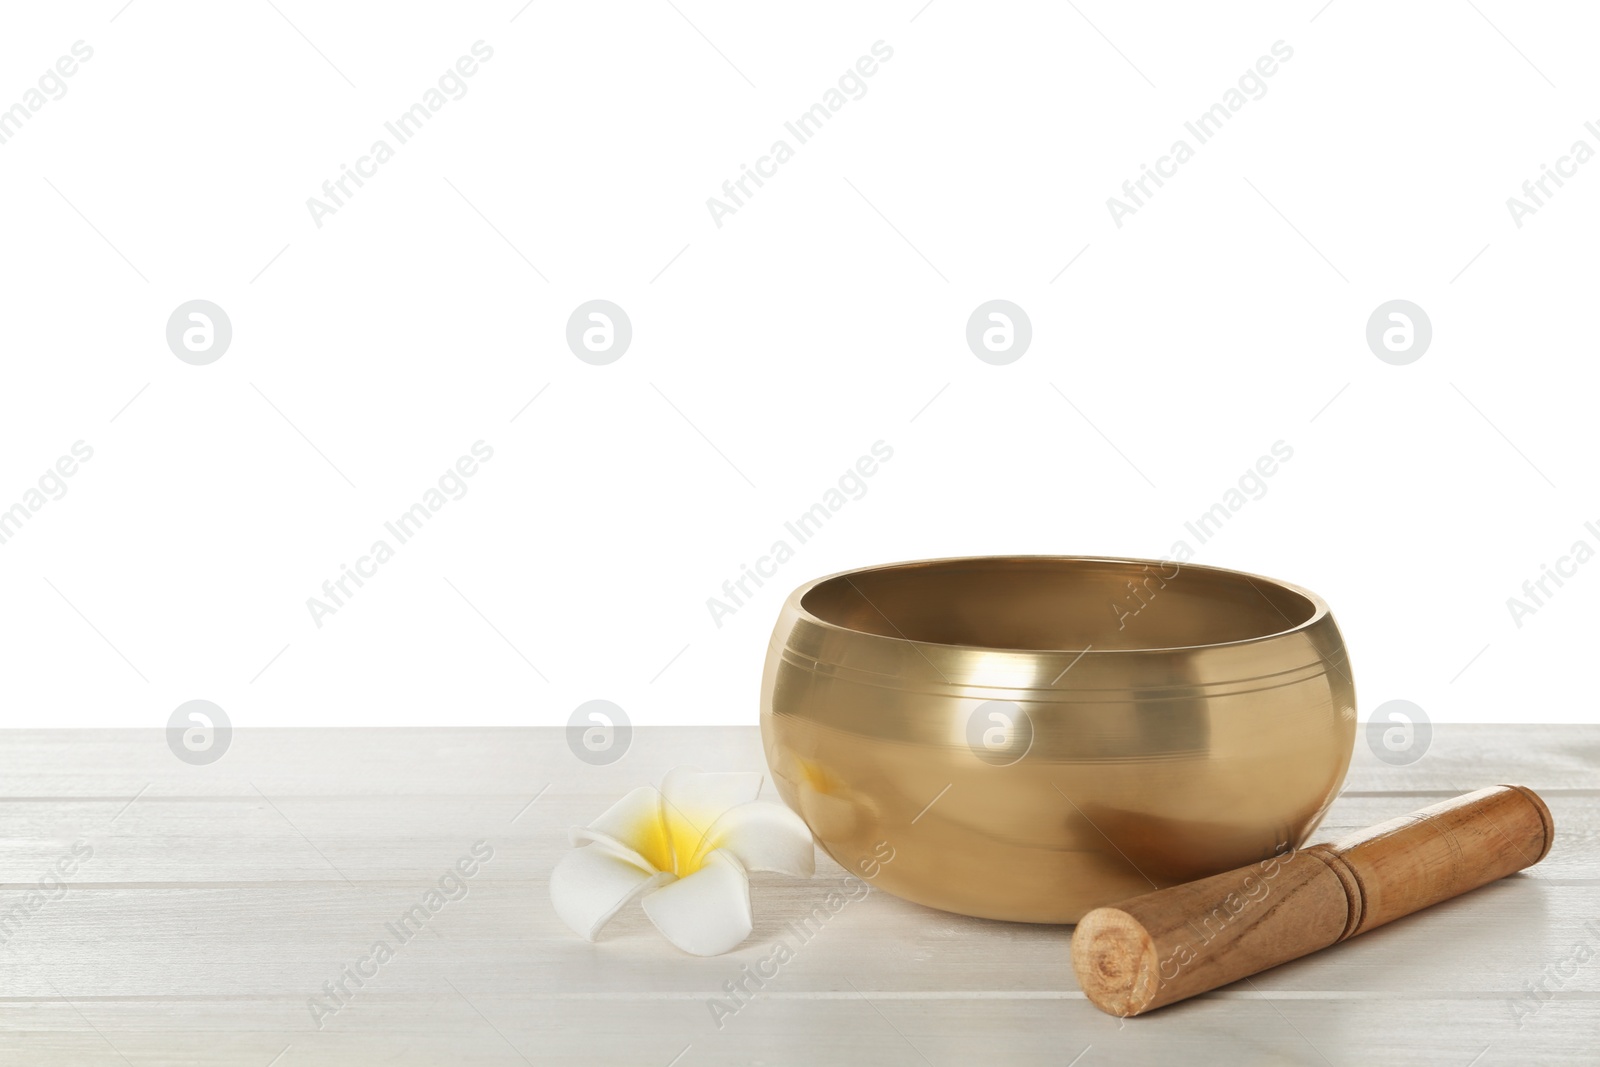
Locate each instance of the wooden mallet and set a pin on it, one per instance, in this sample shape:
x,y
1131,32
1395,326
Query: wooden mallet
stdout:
x,y
1171,944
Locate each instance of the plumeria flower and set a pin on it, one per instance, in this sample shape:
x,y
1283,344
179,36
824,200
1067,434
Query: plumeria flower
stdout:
x,y
686,849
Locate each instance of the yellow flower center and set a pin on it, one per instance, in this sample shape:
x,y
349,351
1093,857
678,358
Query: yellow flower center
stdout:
x,y
669,842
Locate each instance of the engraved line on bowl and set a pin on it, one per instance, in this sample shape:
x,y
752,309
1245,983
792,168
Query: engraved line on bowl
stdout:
x,y
801,657
1071,665
1292,624
1080,695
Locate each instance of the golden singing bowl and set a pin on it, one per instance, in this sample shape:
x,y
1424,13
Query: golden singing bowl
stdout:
x,y
1030,737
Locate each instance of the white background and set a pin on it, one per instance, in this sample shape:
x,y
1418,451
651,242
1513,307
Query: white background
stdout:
x,y
826,314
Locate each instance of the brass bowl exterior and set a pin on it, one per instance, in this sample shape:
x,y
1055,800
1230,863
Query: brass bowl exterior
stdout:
x,y
1185,720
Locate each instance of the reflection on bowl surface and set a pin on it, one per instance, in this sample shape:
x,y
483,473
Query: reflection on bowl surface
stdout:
x,y
1030,737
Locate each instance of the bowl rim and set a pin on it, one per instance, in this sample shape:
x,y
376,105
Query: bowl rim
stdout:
x,y
795,604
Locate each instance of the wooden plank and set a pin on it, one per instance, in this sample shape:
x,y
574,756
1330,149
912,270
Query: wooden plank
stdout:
x,y
848,1027
287,941
223,898
117,764
308,838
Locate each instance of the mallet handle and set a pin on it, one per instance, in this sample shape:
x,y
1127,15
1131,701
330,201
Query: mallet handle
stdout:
x,y
1171,944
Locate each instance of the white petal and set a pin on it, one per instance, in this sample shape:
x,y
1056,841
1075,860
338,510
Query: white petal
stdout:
x,y
634,823
764,837
699,798
589,885
583,836
708,912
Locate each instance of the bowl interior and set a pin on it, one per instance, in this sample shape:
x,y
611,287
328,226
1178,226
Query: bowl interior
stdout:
x,y
1045,603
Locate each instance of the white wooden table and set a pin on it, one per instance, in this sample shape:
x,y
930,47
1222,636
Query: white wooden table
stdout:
x,y
222,898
